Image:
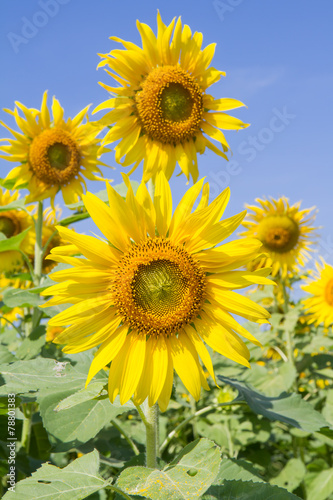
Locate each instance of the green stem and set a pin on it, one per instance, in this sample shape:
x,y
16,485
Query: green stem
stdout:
x,y
126,436
26,428
38,245
152,446
194,415
289,339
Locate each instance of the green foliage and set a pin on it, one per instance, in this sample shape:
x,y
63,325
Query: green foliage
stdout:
x,y
187,476
264,433
288,408
76,481
12,243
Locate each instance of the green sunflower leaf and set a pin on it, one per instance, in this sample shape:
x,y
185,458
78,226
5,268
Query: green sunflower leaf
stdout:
x,y
188,476
288,408
32,345
232,469
14,205
319,485
76,481
246,490
16,297
12,243
291,475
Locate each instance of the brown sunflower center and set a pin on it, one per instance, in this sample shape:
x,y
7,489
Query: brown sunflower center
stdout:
x,y
329,292
158,287
54,157
279,233
8,226
169,105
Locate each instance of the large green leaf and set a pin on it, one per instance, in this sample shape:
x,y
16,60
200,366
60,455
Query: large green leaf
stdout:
x,y
319,486
16,297
32,345
92,391
25,376
247,490
12,243
76,481
291,475
288,408
186,477
70,428
232,469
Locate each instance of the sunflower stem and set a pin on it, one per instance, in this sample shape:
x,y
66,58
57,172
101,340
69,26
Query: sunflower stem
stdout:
x,y
38,245
290,345
152,445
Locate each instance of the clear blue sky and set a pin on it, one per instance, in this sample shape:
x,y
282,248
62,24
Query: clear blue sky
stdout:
x,y
278,60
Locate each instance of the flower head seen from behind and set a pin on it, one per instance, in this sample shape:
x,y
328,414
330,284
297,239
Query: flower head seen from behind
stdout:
x,y
53,154
162,113
156,291
285,231
12,223
319,306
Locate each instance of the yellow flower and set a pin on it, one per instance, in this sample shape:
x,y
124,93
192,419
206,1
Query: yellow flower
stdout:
x,y
161,111
285,232
319,306
53,155
52,332
12,223
156,291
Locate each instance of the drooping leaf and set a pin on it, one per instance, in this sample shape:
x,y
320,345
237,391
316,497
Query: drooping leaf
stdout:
x,y
288,408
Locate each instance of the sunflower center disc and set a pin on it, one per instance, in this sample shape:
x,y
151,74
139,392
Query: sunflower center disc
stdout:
x,y
7,227
59,156
158,287
329,292
176,103
169,105
279,233
54,157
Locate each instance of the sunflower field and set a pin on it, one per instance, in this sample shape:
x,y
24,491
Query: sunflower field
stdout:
x,y
156,346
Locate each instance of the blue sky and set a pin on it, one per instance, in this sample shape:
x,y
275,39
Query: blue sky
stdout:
x,y
278,60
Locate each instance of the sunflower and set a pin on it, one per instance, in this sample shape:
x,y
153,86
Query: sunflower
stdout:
x,y
285,231
12,223
156,290
319,307
162,112
53,155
